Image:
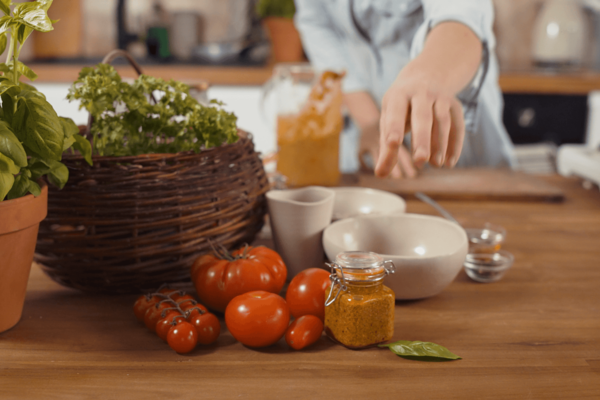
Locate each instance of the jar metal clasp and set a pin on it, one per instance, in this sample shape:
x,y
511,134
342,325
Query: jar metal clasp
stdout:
x,y
335,279
391,269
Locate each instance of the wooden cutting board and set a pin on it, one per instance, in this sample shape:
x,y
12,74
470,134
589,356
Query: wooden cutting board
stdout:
x,y
465,184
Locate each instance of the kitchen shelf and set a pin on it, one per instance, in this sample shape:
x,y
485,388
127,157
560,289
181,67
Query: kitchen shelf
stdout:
x,y
531,82
534,82
216,75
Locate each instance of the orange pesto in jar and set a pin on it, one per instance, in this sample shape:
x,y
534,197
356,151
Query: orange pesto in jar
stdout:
x,y
359,310
308,142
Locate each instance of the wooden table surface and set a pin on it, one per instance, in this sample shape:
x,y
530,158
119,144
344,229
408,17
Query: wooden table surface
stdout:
x,y
533,335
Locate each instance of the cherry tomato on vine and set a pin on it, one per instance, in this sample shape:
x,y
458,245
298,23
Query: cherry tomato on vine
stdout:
x,y
306,293
304,331
143,303
258,318
182,337
193,308
207,325
164,325
218,279
154,313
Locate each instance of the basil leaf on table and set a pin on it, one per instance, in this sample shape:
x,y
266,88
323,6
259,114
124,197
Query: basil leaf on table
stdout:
x,y
422,351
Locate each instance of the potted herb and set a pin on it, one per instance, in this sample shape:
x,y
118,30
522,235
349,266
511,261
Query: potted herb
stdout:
x,y
32,141
170,175
278,20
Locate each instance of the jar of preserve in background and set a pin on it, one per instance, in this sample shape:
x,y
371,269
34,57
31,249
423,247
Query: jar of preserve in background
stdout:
x,y
359,309
309,122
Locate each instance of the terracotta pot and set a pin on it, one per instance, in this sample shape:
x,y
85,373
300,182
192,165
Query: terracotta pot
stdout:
x,y
19,222
285,39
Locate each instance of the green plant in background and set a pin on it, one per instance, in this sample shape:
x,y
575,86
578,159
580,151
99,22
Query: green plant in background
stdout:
x,y
276,8
127,122
32,137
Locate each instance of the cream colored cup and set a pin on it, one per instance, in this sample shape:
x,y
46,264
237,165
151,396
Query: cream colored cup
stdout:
x,y
298,217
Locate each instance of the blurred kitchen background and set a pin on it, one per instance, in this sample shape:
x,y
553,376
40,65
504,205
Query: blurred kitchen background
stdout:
x,y
549,52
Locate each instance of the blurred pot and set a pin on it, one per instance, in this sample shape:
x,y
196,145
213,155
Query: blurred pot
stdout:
x,y
285,39
560,34
219,52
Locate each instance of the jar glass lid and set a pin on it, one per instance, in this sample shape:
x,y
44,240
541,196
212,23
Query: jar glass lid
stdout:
x,y
360,266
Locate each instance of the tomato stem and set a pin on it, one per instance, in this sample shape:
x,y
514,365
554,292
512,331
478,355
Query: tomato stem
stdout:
x,y
221,252
163,313
189,312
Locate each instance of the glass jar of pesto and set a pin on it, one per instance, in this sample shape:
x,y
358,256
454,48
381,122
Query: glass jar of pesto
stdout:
x,y
359,309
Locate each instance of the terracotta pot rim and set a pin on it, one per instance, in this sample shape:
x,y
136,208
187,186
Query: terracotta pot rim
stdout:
x,y
15,219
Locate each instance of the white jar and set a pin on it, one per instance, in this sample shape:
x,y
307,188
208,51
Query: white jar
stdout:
x,y
560,34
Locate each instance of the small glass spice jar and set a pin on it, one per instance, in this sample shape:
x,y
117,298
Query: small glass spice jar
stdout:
x,y
359,309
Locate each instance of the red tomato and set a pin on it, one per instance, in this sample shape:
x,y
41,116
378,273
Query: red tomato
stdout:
x,y
217,281
154,314
304,331
143,303
257,319
306,293
207,325
164,325
182,337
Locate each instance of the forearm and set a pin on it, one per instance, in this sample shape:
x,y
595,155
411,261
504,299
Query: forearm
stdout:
x,y
362,108
450,57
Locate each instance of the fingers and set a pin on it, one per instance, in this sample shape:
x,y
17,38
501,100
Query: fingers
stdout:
x,y
405,162
440,132
422,123
457,134
392,124
396,172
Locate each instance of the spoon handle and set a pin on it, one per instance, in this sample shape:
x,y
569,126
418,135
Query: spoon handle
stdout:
x,y
426,199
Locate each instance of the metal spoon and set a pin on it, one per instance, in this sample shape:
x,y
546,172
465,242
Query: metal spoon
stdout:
x,y
426,199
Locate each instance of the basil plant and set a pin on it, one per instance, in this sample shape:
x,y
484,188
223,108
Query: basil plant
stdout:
x,y
32,137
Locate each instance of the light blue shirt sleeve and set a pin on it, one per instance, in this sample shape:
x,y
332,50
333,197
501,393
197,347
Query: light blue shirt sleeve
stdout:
x,y
325,45
478,15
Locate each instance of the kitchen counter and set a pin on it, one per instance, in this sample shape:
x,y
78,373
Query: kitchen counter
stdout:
x,y
216,75
510,81
535,334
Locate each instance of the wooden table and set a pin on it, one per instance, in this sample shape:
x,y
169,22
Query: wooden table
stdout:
x,y
534,335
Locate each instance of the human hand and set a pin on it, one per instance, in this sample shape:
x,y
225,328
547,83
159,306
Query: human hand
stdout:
x,y
418,103
423,100
369,148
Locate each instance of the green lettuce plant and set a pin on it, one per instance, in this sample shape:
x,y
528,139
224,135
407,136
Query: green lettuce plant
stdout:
x,y
128,122
32,136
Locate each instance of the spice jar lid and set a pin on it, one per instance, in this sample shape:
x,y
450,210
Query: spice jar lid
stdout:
x,y
360,266
356,266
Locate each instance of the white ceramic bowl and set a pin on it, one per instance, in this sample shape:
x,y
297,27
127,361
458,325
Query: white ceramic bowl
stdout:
x,y
428,252
354,201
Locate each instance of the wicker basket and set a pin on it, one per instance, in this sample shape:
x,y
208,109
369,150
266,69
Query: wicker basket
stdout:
x,y
128,224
